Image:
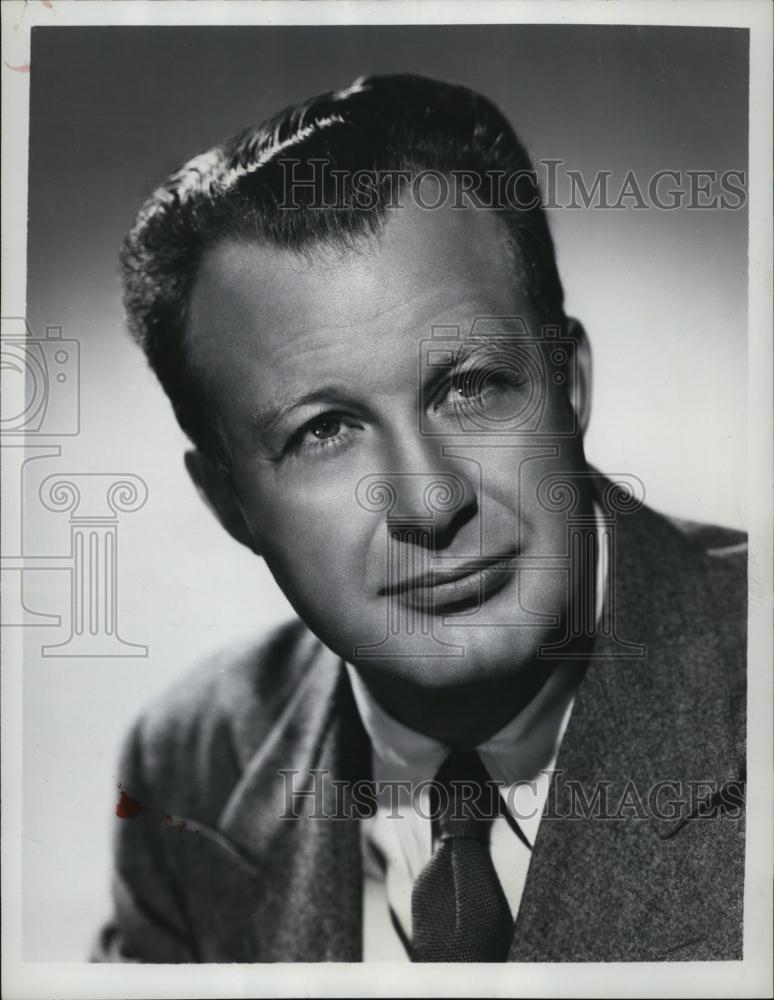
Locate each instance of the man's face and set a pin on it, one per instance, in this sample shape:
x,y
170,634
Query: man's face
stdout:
x,y
391,484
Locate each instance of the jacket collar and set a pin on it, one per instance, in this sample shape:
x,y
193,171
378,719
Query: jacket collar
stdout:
x,y
667,711
623,886
259,884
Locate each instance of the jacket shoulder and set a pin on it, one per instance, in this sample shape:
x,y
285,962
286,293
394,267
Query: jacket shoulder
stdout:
x,y
188,749
724,551
712,538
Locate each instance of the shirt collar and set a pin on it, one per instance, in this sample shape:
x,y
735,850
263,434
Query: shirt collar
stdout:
x,y
519,751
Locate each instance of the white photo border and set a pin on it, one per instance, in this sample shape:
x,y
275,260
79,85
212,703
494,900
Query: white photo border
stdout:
x,y
750,977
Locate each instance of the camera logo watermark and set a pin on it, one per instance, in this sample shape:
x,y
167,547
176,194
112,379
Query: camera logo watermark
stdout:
x,y
94,502
494,354
42,402
489,414
48,369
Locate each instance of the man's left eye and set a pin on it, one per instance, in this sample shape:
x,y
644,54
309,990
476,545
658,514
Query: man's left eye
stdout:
x,y
325,428
474,384
467,385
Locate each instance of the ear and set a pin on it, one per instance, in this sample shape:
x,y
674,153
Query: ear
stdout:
x,y
216,488
580,377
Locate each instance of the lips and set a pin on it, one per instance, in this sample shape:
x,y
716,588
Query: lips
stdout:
x,y
447,588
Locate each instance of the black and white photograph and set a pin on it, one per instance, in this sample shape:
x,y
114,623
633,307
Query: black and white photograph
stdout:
x,y
386,469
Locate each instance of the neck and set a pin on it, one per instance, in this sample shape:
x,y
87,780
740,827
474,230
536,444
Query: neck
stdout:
x,y
466,716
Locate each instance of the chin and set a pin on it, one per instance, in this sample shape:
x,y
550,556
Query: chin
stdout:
x,y
449,653
483,662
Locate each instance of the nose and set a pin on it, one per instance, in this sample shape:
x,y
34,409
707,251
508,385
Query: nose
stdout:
x,y
426,501
431,508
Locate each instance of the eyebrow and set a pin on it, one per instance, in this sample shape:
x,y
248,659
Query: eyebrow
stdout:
x,y
265,419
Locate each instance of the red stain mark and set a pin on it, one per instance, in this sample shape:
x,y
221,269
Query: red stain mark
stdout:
x,y
24,68
48,4
127,807
130,808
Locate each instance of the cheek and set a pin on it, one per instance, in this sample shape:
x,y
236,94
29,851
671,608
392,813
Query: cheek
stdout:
x,y
527,482
309,538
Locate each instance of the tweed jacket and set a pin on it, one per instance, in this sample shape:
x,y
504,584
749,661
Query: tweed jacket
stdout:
x,y
206,871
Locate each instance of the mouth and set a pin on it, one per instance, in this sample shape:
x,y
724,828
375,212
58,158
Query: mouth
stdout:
x,y
457,588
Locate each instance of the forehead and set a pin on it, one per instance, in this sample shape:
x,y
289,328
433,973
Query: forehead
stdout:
x,y
262,319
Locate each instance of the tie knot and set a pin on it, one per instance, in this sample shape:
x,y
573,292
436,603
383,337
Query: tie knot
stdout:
x,y
464,798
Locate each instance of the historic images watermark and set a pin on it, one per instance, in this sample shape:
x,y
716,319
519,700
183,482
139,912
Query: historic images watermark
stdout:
x,y
315,794
314,183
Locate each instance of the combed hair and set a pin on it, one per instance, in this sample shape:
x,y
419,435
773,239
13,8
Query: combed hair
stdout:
x,y
382,124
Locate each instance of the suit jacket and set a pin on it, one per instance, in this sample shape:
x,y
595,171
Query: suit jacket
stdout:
x,y
205,871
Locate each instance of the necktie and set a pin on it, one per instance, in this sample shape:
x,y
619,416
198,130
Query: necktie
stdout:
x,y
458,909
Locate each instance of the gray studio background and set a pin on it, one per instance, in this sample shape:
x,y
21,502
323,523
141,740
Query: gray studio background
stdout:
x,y
662,295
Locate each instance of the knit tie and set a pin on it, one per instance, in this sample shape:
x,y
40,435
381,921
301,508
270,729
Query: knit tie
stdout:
x,y
458,908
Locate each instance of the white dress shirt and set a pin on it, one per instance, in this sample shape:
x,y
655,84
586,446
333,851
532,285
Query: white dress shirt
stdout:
x,y
397,841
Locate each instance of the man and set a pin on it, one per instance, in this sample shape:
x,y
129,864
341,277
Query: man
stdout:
x,y
356,313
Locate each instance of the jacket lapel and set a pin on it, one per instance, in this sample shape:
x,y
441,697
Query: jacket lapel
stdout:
x,y
281,882
621,884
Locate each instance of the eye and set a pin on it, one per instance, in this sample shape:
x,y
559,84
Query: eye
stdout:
x,y
324,428
467,385
326,431
472,385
